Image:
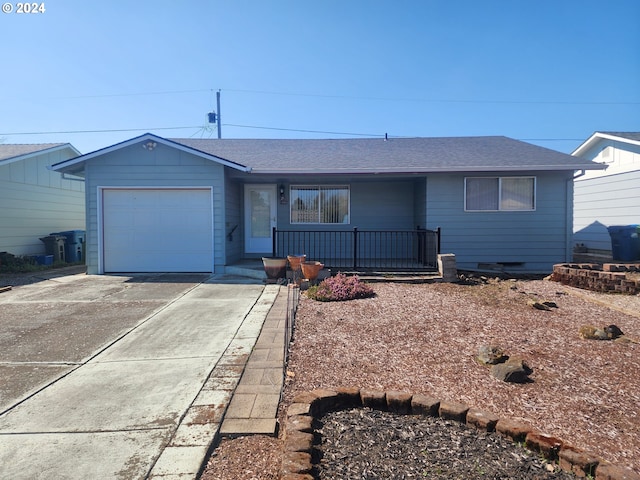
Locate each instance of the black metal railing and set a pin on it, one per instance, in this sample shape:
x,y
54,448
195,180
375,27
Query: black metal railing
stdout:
x,y
393,250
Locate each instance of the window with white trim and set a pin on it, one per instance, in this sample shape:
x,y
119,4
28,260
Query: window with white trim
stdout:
x,y
499,194
319,203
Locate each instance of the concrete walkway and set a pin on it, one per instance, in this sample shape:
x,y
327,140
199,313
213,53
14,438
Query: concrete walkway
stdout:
x,y
254,406
150,403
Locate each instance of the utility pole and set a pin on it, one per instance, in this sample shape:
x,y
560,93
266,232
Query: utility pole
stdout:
x,y
219,117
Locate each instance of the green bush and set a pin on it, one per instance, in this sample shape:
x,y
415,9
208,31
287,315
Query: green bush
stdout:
x,y
339,289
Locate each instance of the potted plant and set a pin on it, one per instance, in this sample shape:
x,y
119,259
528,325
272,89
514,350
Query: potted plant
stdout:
x,y
275,267
310,270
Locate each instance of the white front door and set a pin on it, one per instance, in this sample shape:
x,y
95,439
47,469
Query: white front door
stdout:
x,y
260,208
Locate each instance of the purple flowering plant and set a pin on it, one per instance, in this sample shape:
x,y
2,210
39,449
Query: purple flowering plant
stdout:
x,y
340,288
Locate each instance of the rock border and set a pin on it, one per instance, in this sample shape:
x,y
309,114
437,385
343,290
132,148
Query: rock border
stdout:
x,y
298,432
607,277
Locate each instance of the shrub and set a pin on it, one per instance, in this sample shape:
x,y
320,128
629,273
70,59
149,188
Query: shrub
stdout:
x,y
339,289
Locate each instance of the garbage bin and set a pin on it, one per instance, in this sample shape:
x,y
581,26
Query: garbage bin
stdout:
x,y
54,245
625,242
74,245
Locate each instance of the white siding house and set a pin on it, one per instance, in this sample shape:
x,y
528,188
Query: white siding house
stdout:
x,y
35,200
604,198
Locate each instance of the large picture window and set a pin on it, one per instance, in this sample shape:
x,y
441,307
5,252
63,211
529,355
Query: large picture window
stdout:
x,y
319,204
499,193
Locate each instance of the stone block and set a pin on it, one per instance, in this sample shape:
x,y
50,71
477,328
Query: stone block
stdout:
x,y
578,462
299,409
296,441
399,402
304,397
301,423
482,420
516,431
325,401
297,476
373,399
547,445
613,472
453,411
349,397
423,405
447,267
613,267
296,462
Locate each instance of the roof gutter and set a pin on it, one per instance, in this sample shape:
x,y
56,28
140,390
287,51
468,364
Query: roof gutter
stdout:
x,y
69,176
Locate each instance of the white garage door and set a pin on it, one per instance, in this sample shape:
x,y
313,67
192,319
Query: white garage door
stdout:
x,y
157,230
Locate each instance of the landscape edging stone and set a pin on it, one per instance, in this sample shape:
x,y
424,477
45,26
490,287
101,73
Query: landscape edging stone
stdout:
x,y
298,457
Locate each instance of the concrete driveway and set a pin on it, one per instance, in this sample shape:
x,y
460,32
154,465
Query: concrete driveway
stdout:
x,y
121,376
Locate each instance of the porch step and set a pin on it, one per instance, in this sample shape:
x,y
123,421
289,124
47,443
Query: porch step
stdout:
x,y
397,277
249,271
256,270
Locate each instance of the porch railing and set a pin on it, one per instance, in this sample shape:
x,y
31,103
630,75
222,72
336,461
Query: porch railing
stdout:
x,y
362,250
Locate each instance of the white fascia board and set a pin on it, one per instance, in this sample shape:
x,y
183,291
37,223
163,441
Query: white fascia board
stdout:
x,y
141,139
596,137
461,169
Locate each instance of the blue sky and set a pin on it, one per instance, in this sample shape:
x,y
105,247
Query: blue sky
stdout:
x,y
546,71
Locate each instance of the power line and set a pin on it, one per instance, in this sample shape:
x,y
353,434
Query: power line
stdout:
x,y
304,131
259,127
135,94
436,100
100,131
356,97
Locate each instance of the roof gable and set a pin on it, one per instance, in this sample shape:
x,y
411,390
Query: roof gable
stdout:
x,y
632,138
10,153
148,140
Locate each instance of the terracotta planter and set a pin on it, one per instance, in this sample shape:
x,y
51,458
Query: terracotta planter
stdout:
x,y
295,261
310,270
275,267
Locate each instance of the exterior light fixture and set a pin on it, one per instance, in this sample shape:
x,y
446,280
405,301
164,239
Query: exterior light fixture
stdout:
x,y
149,145
283,199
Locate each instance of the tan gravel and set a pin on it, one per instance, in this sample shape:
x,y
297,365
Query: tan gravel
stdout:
x,y
423,339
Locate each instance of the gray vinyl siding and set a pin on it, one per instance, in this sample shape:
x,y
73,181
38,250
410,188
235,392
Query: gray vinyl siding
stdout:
x,y
535,239
36,202
602,202
162,167
420,203
234,246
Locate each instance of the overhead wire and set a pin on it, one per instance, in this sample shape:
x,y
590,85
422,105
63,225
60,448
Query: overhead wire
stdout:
x,y
201,129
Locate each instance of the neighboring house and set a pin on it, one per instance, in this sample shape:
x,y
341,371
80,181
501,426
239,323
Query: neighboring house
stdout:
x,y
36,201
610,197
155,204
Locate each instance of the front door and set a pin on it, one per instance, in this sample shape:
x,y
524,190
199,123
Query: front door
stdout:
x,y
260,204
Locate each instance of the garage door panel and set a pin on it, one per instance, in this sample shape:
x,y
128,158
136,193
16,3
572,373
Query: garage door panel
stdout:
x,y
157,230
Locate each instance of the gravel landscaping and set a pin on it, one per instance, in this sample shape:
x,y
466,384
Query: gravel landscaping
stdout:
x,y
424,338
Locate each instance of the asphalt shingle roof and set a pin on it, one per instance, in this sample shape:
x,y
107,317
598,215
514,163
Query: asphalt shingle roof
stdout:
x,y
17,150
628,135
395,155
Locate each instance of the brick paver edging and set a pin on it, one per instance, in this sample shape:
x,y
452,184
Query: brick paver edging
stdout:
x,y
299,435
